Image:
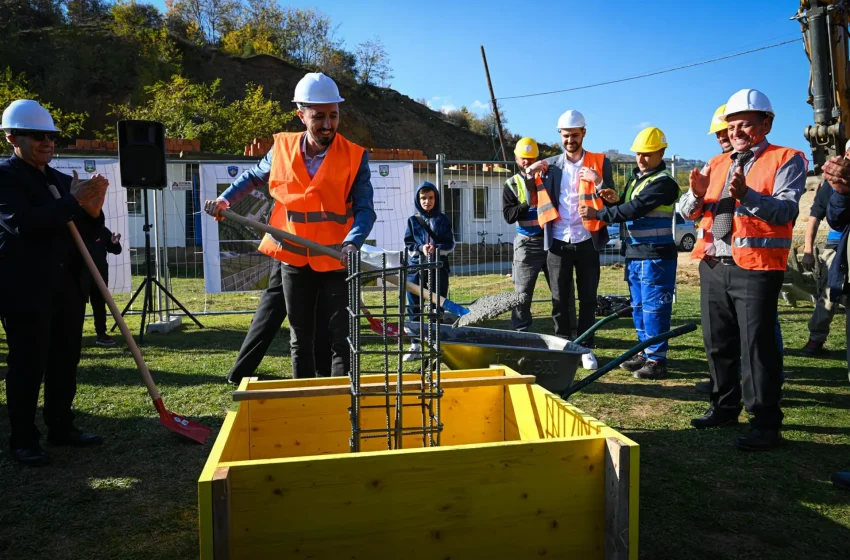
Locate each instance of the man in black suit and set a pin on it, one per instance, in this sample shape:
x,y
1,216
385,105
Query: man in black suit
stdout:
x,y
43,281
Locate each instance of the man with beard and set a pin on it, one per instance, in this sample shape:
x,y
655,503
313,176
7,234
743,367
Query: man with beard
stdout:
x,y
574,179
322,188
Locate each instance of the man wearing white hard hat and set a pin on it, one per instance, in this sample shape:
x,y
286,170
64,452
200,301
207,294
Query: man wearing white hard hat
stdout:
x,y
44,283
719,128
747,203
322,188
574,179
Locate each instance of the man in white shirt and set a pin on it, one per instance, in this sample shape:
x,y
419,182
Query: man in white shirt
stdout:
x,y
574,179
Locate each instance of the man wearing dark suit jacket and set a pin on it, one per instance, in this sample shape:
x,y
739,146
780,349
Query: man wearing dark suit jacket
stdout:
x,y
574,179
43,281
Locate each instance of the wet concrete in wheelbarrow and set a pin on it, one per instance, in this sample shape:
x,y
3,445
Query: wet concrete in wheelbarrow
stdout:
x,y
490,307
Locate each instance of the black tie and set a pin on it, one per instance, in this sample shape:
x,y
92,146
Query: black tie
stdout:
x,y
722,224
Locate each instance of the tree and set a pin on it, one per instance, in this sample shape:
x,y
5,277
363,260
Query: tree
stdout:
x,y
373,63
340,63
257,31
15,86
193,110
308,37
460,117
29,14
80,11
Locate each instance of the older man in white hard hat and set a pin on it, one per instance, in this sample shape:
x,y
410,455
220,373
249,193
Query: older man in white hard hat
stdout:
x,y
322,188
574,179
747,202
44,283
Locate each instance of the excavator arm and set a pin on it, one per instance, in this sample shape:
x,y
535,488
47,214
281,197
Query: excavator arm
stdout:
x,y
825,39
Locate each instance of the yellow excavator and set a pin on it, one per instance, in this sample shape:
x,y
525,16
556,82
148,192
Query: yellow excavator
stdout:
x,y
825,38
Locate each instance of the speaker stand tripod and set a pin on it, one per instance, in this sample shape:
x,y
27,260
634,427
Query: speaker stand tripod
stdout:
x,y
149,281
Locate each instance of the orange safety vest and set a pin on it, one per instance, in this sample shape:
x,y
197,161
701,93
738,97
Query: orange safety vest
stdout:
x,y
587,195
318,209
756,244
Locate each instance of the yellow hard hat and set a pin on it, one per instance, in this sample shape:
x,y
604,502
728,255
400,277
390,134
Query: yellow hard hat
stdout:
x,y
526,148
649,139
717,122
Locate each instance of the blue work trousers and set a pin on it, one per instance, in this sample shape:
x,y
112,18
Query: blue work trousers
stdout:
x,y
651,284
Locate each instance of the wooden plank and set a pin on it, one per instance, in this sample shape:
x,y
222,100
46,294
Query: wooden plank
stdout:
x,y
634,496
525,417
254,384
236,447
205,513
560,419
329,391
533,499
221,513
321,425
617,499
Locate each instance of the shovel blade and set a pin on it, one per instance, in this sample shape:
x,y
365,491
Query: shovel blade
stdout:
x,y
182,425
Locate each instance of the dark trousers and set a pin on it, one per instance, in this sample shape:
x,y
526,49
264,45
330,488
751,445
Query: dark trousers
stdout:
x,y
316,300
44,345
529,260
561,260
266,324
98,304
738,309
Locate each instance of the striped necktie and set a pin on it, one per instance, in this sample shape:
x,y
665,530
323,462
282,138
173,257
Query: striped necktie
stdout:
x,y
722,224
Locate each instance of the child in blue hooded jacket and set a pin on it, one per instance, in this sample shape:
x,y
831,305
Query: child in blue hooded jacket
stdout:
x,y
427,230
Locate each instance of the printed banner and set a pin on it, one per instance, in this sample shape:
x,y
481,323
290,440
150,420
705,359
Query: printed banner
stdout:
x,y
232,261
114,210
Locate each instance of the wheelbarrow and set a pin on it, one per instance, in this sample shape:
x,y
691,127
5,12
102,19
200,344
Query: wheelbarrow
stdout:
x,y
552,360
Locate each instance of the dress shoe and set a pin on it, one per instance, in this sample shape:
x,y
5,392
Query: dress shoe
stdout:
x,y
703,387
841,479
812,348
759,440
652,370
33,456
713,418
74,438
634,363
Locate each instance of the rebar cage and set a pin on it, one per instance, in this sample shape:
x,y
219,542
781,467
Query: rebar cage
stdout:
x,y
377,344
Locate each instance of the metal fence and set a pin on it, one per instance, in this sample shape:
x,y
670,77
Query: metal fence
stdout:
x,y
471,196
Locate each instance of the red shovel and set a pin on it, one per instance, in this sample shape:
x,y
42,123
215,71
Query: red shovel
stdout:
x,y
174,422
377,325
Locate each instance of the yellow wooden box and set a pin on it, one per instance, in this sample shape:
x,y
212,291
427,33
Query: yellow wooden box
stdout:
x,y
519,474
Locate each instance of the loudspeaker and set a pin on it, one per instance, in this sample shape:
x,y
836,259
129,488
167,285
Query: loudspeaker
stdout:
x,y
141,154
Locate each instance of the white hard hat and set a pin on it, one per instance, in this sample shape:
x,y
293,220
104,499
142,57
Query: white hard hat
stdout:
x,y
316,89
747,100
26,114
571,119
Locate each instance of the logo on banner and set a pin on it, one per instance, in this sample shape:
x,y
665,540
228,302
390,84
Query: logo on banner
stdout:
x,y
232,170
89,165
384,170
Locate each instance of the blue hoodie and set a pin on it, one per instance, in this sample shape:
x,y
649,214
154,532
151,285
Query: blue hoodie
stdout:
x,y
415,235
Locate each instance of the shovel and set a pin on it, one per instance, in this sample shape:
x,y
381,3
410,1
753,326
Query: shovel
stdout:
x,y
483,308
174,422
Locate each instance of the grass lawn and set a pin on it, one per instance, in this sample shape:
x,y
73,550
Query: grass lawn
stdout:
x,y
135,496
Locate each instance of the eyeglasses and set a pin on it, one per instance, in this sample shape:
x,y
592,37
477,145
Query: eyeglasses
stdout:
x,y
38,135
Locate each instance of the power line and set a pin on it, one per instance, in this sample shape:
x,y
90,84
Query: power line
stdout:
x,y
652,73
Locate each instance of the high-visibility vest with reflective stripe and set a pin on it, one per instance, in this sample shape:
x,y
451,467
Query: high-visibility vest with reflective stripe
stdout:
x,y
756,244
587,195
318,209
656,227
529,226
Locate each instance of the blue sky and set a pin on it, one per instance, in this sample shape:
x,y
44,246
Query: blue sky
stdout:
x,y
434,48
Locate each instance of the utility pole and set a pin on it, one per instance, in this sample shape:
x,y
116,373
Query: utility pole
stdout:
x,y
495,107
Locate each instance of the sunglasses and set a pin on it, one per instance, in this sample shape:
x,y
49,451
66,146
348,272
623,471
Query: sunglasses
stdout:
x,y
38,135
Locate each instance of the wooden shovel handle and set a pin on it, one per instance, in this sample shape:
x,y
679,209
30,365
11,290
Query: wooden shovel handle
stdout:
x,y
107,297
312,245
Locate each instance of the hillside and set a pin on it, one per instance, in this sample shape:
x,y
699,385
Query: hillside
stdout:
x,y
87,69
